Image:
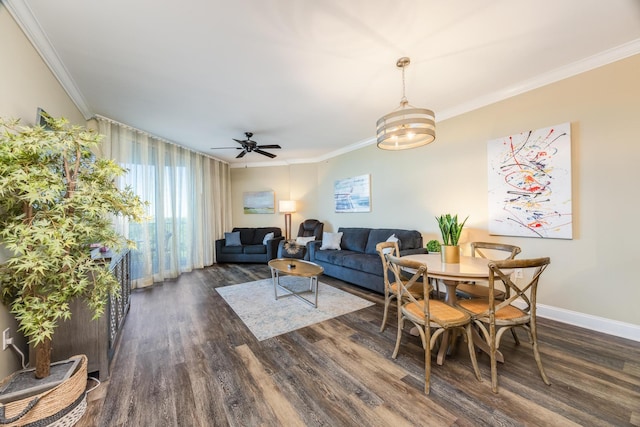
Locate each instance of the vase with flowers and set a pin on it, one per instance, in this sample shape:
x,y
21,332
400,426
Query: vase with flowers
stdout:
x,y
450,230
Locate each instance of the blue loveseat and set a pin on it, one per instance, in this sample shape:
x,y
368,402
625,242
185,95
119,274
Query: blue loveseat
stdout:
x,y
357,261
252,248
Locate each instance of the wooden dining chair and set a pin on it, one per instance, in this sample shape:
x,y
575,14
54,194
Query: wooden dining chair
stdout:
x,y
494,317
390,286
494,252
431,317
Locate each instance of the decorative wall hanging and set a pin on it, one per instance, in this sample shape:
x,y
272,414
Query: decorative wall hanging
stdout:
x,y
530,183
259,202
353,194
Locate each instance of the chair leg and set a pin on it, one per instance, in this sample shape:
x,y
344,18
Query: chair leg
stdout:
x,y
387,301
494,362
427,360
398,337
472,351
436,286
515,336
536,353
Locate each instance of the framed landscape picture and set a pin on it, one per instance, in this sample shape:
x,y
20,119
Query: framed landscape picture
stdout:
x,y
353,194
259,202
530,183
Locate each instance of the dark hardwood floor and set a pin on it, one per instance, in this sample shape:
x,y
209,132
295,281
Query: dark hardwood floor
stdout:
x,y
186,359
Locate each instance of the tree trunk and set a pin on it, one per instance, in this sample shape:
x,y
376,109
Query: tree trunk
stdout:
x,y
43,358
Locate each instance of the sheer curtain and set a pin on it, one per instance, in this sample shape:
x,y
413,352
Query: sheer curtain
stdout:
x,y
189,202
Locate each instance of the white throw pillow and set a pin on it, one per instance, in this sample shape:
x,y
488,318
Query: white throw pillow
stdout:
x,y
331,240
302,241
268,237
391,238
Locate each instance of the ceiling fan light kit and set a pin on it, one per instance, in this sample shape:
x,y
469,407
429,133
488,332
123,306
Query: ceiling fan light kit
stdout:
x,y
407,126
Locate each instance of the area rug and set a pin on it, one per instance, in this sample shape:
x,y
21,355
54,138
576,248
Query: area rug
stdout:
x,y
266,317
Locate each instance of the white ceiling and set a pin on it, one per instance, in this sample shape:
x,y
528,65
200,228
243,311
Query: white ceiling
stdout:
x,y
311,75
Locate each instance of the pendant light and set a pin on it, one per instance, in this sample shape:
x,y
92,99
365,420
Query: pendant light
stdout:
x,y
407,126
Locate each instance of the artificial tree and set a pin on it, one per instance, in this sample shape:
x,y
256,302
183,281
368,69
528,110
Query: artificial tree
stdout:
x,y
57,197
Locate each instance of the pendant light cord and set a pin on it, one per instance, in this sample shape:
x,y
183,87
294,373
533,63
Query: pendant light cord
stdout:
x,y
403,100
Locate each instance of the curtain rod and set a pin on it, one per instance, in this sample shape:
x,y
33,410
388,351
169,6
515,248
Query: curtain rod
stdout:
x,y
150,135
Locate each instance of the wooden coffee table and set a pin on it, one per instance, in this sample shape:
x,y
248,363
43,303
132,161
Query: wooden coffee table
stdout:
x,y
300,268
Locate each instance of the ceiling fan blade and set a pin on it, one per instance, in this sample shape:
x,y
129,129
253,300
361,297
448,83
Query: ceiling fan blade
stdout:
x,y
264,153
239,142
269,146
241,154
225,148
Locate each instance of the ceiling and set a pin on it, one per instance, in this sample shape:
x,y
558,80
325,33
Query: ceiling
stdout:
x,y
311,75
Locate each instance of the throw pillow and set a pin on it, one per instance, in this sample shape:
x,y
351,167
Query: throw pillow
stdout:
x,y
331,240
302,241
232,239
391,238
268,237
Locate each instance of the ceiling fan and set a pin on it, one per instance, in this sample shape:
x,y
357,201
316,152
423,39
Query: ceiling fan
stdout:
x,y
248,145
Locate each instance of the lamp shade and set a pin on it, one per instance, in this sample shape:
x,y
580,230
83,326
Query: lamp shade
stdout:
x,y
406,127
287,206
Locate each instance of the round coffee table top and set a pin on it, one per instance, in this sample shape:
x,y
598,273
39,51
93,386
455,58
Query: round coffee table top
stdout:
x,y
296,267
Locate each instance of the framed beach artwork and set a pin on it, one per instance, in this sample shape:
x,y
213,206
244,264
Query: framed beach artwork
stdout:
x,y
353,194
259,202
530,183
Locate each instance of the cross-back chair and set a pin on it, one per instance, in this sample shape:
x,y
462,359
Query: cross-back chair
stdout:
x,y
431,317
494,252
494,317
390,285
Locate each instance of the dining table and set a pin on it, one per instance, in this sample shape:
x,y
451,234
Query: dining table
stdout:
x,y
450,275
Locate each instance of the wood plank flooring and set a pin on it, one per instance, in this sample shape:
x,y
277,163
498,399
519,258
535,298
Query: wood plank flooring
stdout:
x,y
186,359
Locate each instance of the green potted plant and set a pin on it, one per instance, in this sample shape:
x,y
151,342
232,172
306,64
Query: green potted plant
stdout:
x,y
56,199
433,245
450,230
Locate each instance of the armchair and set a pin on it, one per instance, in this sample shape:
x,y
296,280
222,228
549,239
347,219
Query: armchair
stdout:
x,y
309,230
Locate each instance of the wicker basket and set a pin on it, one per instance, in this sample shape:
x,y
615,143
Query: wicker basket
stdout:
x,y
63,405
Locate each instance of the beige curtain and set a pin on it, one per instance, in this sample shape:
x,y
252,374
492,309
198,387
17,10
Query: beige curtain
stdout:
x,y
189,198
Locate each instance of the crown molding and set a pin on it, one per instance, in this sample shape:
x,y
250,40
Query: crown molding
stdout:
x,y
603,58
595,61
23,15
319,159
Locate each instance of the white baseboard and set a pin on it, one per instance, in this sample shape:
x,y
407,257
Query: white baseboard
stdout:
x,y
595,323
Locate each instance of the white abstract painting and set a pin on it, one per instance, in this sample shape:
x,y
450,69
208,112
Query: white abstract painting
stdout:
x,y
530,183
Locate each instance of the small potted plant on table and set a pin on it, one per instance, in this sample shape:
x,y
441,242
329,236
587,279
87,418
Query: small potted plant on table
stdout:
x,y
433,246
450,230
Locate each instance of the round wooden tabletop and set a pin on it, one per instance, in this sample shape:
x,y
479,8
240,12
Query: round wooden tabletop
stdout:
x,y
296,267
469,268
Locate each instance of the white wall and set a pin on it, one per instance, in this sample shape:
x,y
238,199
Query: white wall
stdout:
x,y
591,276
25,84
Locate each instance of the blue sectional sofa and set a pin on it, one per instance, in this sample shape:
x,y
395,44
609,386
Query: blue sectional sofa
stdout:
x,y
357,261
252,248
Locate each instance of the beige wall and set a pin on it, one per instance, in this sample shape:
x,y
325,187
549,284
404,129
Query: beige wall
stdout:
x,y
592,274
25,84
294,182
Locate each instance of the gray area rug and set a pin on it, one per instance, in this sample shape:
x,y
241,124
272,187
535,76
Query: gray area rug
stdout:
x,y
266,317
